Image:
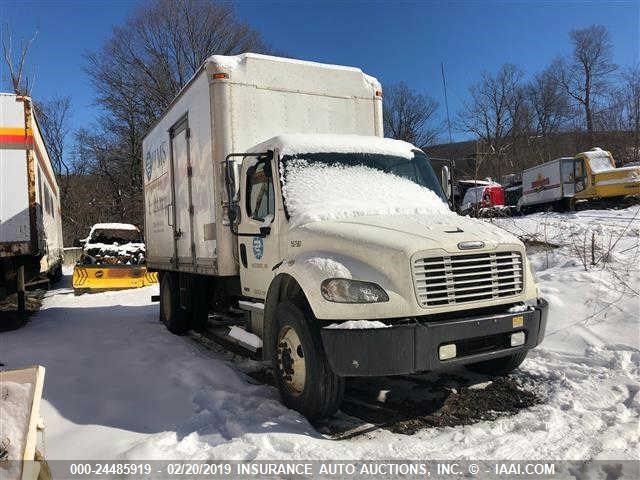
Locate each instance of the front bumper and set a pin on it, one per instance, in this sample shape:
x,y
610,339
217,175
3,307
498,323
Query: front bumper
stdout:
x,y
111,277
413,347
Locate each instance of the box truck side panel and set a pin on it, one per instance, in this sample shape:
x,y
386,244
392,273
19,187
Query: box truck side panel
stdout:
x,y
49,218
178,174
542,184
14,200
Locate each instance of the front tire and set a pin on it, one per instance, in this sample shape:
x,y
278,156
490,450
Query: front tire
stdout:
x,y
171,313
303,374
499,367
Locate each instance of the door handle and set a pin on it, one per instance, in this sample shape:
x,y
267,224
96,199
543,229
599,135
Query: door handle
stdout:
x,y
169,214
178,233
243,255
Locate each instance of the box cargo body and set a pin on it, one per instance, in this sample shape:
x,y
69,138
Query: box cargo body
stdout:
x,y
549,182
230,105
30,222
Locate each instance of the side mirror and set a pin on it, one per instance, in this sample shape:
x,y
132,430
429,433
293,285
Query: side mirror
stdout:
x,y
445,176
234,180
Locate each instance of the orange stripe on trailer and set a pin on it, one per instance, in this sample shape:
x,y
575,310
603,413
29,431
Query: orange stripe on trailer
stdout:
x,y
21,139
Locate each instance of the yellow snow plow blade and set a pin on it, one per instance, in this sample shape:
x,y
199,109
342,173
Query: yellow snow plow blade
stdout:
x,y
111,277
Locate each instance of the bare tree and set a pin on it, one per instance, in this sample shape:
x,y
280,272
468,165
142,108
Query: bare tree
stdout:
x,y
408,115
549,107
146,62
136,75
585,77
630,95
53,118
491,112
16,62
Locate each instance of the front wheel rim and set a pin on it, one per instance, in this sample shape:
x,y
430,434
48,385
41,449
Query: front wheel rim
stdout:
x,y
291,361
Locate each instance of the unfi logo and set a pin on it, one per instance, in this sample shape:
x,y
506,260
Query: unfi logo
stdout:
x,y
258,247
157,157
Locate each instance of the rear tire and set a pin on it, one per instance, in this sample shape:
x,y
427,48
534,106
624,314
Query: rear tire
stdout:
x,y
499,366
171,313
303,375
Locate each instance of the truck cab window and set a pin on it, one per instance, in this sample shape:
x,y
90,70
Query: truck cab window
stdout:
x,y
260,194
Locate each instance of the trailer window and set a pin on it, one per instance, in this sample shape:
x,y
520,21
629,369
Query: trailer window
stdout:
x,y
260,196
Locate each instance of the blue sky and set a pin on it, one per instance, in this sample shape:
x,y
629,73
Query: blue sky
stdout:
x,y
393,41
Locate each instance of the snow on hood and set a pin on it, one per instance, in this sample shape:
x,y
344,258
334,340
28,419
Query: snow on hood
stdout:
x,y
300,143
317,192
125,248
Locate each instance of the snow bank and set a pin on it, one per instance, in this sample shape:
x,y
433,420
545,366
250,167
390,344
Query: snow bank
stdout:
x,y
15,407
130,390
301,143
316,192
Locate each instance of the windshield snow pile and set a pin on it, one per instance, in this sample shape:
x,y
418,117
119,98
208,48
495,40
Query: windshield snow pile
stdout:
x,y
317,192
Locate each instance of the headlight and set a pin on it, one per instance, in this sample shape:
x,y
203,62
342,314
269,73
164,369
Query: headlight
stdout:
x,y
342,290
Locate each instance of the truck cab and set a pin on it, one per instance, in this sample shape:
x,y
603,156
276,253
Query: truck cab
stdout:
x,y
350,245
596,176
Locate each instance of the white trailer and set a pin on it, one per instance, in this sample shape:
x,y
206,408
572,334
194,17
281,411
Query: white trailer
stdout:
x,y
550,183
30,221
272,202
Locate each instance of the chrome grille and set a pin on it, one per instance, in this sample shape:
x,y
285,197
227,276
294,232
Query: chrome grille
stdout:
x,y
467,278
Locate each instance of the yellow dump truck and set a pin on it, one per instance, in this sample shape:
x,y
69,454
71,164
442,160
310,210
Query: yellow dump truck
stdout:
x,y
113,257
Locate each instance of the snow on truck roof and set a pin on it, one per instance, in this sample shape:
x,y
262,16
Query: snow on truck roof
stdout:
x,y
113,226
233,62
300,143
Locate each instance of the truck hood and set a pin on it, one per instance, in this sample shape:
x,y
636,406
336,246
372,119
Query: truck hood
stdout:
x,y
411,233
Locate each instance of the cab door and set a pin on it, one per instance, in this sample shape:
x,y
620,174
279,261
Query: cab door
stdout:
x,y
258,245
579,175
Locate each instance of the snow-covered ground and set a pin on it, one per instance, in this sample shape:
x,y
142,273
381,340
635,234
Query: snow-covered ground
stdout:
x,y
118,385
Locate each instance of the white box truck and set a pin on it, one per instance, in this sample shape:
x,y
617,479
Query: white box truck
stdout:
x,y
550,184
30,221
270,192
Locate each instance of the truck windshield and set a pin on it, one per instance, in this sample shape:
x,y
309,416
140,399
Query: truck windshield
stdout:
x,y
112,236
600,163
416,169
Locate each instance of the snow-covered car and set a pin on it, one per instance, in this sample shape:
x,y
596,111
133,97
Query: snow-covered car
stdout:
x,y
113,257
